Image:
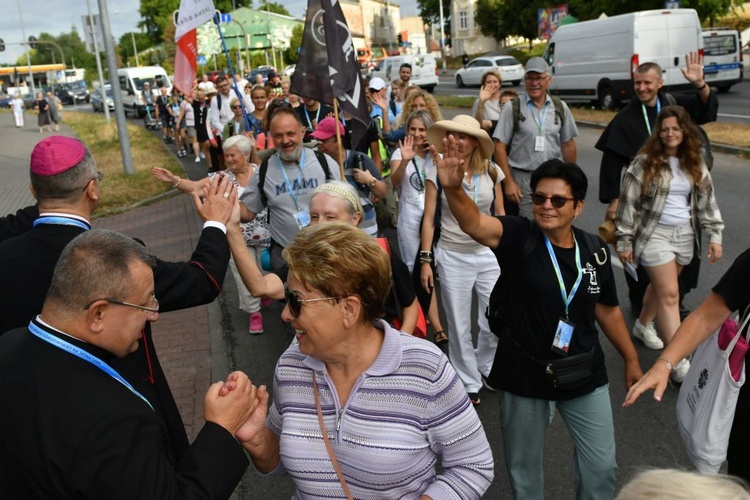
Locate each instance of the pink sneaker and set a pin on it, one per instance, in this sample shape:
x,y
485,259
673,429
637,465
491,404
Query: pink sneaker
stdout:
x,y
266,303
256,323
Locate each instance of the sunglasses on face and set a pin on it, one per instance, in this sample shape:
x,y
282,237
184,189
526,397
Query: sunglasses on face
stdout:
x,y
236,107
557,201
294,302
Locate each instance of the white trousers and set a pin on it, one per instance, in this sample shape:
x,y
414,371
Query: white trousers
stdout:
x,y
18,116
248,302
460,273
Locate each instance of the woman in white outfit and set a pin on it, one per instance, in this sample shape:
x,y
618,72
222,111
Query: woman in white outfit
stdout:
x,y
17,105
409,164
463,264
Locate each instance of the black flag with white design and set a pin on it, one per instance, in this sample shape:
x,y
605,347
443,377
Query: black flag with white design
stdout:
x,y
328,68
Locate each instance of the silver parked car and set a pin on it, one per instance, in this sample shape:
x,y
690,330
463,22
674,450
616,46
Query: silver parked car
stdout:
x,y
509,68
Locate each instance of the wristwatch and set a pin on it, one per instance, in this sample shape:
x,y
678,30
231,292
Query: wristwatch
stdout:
x,y
373,182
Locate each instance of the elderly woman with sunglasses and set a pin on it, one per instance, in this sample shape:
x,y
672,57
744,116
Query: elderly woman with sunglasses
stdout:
x,y
557,281
332,201
667,196
361,410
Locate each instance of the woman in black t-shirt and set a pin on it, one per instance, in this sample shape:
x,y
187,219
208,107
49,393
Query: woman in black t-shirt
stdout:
x,y
558,283
730,294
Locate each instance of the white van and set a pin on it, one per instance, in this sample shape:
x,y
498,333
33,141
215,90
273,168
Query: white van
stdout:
x,y
722,58
423,70
595,60
131,86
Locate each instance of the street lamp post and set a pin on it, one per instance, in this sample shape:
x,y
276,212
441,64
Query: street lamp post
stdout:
x,y
23,34
135,50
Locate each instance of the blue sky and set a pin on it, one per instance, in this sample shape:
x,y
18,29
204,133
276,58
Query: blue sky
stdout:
x,y
57,16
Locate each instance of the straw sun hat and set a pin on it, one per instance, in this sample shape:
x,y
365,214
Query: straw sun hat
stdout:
x,y
462,124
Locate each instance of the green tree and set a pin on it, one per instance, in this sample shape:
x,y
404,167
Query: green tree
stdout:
x,y
291,55
274,7
156,15
73,50
487,17
429,10
125,45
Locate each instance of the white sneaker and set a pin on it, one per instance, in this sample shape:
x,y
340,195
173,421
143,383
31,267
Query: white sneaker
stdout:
x,y
197,159
202,155
647,335
680,371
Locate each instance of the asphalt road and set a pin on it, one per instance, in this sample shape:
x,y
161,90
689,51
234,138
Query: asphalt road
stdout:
x,y
646,435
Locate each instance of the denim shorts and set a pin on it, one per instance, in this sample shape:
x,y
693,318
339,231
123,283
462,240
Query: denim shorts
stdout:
x,y
669,243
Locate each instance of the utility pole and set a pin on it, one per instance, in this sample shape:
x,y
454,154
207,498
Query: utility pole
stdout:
x,y
442,34
98,61
28,59
122,131
135,50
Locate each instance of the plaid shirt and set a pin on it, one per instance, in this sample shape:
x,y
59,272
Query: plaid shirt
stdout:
x,y
639,212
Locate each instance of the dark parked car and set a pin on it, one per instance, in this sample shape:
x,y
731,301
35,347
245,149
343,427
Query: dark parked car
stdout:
x,y
73,93
5,100
262,70
96,99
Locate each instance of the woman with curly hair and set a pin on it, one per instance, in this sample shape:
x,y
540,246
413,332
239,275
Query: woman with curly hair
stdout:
x,y
667,197
414,101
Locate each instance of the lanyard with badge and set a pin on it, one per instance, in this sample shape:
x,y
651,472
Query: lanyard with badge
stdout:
x,y
84,355
476,189
421,175
564,331
645,114
539,139
301,217
310,126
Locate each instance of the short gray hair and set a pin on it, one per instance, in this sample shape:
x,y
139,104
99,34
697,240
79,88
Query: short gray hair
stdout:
x,y
240,142
66,185
95,265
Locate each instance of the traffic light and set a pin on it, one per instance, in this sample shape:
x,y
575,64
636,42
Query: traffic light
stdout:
x,y
32,42
2,45
400,39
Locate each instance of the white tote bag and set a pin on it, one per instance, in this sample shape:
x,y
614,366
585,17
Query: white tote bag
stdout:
x,y
707,401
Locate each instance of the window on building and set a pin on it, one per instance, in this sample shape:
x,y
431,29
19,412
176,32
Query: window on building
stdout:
x,y
463,22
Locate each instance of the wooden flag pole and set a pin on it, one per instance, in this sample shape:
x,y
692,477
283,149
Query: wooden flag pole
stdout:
x,y
340,146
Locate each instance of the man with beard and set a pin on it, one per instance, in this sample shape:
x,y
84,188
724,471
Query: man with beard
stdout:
x,y
285,181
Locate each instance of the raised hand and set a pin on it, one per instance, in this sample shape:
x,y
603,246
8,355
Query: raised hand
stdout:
x,y
450,167
219,200
407,148
693,70
486,91
380,101
163,175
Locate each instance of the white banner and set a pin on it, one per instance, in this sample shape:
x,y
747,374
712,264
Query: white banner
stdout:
x,y
192,14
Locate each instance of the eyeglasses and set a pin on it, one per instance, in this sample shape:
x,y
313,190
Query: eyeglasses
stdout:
x,y
295,303
667,130
557,201
535,79
99,176
236,107
152,310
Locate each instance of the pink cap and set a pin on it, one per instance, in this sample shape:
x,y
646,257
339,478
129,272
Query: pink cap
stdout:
x,y
56,154
327,129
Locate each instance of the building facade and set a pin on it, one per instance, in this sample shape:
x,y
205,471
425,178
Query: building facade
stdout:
x,y
466,35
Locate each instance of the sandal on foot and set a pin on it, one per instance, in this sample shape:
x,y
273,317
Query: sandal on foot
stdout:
x,y
441,338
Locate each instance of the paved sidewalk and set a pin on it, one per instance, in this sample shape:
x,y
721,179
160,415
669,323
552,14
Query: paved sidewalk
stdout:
x,y
171,230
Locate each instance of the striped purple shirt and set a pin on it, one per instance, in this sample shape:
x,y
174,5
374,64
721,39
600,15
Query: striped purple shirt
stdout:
x,y
404,411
